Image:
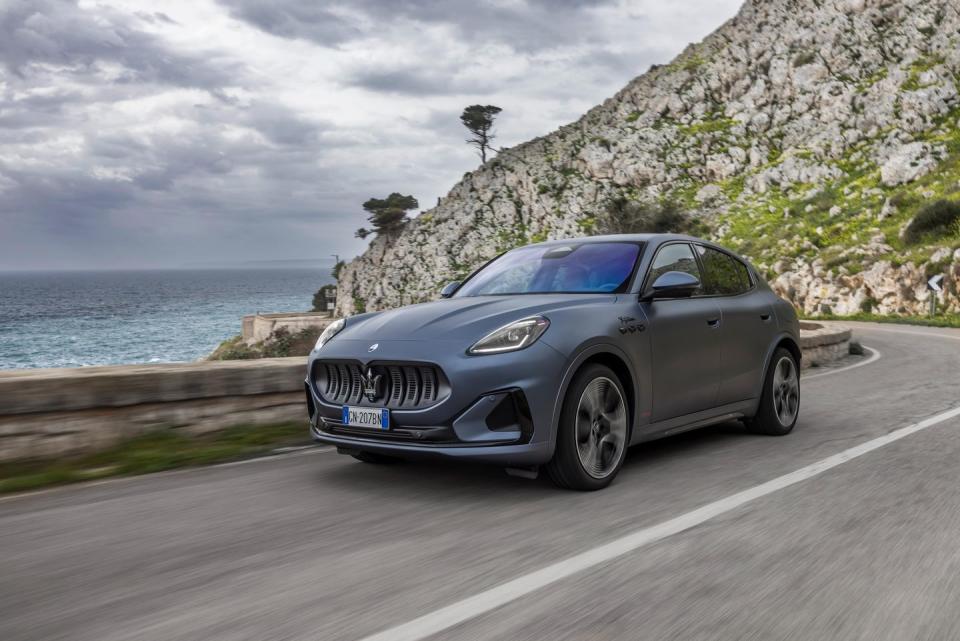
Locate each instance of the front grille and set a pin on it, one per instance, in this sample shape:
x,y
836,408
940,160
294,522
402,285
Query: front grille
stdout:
x,y
399,386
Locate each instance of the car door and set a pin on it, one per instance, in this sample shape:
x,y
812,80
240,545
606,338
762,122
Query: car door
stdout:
x,y
748,321
685,341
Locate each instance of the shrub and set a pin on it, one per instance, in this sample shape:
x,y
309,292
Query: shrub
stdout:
x,y
322,299
805,58
938,219
624,216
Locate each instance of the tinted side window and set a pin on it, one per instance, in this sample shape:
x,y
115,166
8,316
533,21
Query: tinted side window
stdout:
x,y
721,273
674,258
745,281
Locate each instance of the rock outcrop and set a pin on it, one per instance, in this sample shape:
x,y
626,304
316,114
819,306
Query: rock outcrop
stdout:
x,y
805,134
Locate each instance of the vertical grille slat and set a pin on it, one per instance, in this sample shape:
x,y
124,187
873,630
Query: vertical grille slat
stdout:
x,y
412,387
396,385
429,385
401,385
356,387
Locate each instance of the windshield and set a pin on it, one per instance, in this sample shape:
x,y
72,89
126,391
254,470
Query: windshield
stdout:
x,y
586,268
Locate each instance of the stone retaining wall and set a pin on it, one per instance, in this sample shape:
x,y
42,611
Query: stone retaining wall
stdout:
x,y
53,412
257,328
823,344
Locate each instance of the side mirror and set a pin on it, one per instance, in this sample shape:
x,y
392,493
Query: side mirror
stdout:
x,y
449,288
674,285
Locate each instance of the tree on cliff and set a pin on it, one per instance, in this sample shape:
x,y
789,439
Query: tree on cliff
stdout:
x,y
387,215
478,119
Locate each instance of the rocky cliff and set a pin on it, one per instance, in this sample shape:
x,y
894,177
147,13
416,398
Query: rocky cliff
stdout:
x,y
806,134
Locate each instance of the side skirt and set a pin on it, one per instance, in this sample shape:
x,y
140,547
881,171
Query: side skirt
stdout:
x,y
696,420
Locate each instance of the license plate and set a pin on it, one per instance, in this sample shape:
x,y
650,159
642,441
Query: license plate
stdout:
x,y
372,417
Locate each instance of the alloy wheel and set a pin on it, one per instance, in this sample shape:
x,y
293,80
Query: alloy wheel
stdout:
x,y
601,427
786,391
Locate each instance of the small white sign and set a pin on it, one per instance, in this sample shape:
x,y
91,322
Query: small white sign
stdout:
x,y
934,283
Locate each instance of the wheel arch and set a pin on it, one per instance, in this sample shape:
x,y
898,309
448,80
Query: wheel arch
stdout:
x,y
610,356
787,342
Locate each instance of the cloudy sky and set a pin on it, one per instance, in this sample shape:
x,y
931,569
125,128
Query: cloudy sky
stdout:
x,y
152,134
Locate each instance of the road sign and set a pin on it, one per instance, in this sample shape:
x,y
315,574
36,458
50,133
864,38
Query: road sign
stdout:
x,y
934,284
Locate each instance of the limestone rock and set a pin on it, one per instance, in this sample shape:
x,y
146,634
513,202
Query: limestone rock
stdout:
x,y
907,164
775,107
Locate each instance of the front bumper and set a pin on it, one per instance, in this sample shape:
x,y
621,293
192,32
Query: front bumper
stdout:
x,y
500,408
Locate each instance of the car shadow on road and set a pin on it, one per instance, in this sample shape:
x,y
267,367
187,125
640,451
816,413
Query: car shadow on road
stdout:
x,y
457,480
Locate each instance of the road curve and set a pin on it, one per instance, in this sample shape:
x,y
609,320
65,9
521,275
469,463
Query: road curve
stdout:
x,y
321,547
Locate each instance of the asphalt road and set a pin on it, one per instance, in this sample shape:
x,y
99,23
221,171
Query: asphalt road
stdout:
x,y
318,546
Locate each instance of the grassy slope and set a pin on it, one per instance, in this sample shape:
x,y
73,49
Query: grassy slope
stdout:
x,y
798,223
940,320
152,452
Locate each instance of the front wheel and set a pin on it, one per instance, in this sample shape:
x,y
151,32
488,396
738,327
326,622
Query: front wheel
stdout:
x,y
593,431
780,400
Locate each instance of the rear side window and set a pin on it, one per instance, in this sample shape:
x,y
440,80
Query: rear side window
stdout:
x,y
674,258
723,275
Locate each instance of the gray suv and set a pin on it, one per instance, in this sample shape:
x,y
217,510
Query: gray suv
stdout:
x,y
562,354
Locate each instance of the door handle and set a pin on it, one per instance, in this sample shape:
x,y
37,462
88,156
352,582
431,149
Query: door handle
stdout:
x,y
765,318
713,322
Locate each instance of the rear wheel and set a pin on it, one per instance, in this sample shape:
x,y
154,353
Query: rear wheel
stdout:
x,y
377,459
593,431
780,401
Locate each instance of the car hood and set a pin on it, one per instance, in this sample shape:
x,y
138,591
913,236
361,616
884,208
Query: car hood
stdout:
x,y
468,319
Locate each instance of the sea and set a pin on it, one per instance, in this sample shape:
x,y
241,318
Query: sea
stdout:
x,y
79,319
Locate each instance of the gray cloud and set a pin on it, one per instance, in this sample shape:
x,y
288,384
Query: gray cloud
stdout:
x,y
59,32
530,26
150,138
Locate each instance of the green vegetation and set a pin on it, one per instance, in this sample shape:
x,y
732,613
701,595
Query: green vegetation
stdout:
x,y
280,345
387,215
872,79
478,119
693,62
940,320
321,298
807,222
804,58
152,452
912,82
935,221
707,127
625,216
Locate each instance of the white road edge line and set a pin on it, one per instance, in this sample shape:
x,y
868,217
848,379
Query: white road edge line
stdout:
x,y
933,334
874,356
456,613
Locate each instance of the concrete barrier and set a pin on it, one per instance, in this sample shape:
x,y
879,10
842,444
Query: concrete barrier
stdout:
x,y
55,412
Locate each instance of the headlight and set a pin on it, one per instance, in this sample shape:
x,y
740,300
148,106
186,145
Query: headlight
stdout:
x,y
328,333
509,338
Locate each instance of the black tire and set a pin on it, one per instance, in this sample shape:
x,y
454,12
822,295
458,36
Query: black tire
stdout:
x,y
609,448
779,400
376,459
